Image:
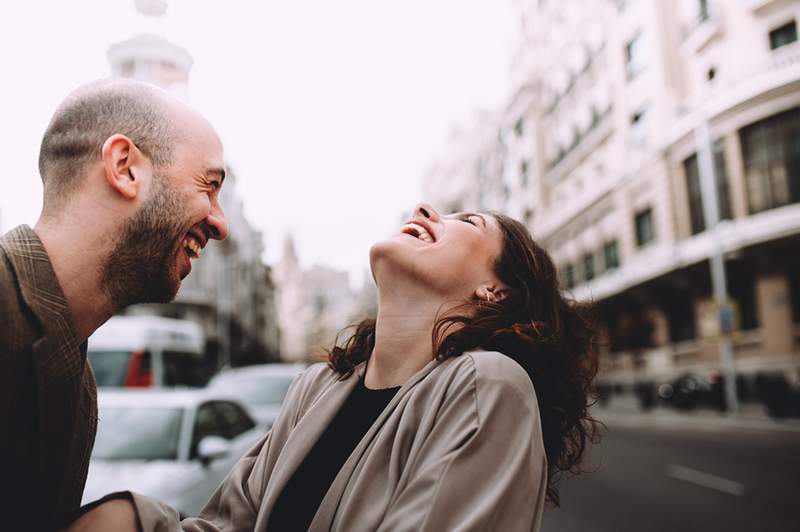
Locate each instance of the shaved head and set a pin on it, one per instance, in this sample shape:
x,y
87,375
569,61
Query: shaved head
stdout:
x,y
93,113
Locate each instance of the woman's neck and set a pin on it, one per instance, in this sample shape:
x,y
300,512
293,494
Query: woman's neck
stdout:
x,y
403,344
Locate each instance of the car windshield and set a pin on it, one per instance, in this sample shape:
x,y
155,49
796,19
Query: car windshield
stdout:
x,y
109,366
137,433
261,391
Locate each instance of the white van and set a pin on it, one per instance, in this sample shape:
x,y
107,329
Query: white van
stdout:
x,y
148,351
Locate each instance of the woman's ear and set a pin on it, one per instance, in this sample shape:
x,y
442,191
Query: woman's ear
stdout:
x,y
120,155
492,293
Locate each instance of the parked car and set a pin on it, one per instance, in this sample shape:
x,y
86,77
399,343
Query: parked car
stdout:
x,y
173,445
687,392
261,388
145,351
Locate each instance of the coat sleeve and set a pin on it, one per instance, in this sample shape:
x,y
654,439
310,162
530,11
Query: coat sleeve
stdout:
x,y
235,504
482,466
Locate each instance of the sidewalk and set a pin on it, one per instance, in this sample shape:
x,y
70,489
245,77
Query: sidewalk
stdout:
x,y
624,411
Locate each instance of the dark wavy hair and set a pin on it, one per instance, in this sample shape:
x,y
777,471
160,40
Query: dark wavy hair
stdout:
x,y
551,337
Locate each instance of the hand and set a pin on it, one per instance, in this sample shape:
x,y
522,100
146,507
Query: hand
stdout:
x,y
118,515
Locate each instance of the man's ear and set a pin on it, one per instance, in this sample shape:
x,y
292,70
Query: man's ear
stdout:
x,y
120,155
492,293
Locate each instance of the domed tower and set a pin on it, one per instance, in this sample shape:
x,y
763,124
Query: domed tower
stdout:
x,y
149,57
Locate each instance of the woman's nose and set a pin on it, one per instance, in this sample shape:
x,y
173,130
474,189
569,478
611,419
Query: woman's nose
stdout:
x,y
426,211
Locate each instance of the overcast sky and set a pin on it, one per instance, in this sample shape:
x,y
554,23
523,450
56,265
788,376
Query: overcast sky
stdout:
x,y
330,110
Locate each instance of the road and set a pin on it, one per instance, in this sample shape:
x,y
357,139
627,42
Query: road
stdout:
x,y
684,478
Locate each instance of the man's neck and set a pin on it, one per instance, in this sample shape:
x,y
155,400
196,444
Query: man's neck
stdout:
x,y
77,254
403,341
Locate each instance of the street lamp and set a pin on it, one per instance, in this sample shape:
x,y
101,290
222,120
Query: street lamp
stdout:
x,y
708,194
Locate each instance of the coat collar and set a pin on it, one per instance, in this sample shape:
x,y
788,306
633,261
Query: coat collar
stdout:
x,y
310,428
42,293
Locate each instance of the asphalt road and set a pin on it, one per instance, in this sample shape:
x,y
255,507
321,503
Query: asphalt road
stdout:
x,y
683,479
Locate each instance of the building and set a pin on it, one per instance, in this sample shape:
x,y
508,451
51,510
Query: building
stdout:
x,y
600,159
230,290
314,305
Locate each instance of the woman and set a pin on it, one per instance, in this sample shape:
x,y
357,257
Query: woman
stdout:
x,y
457,408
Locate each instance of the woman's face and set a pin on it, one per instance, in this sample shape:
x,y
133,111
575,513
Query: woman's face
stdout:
x,y
452,256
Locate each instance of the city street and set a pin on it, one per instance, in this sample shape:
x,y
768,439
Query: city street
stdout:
x,y
685,476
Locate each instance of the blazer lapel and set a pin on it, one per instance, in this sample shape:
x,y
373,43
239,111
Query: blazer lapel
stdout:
x,y
57,357
323,520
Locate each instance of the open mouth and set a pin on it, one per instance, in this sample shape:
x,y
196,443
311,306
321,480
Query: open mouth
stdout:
x,y
192,247
417,231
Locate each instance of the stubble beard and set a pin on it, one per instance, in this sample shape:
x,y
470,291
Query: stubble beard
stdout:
x,y
142,267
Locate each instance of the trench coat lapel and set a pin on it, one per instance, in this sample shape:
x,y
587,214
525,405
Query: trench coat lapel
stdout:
x,y
323,520
302,439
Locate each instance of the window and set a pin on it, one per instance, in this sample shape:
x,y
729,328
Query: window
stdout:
x,y
588,266
639,123
645,232
611,255
634,56
219,418
771,153
233,420
692,170
783,35
702,10
523,173
519,127
569,275
184,369
794,291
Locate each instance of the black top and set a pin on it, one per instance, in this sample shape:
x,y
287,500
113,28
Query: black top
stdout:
x,y
302,495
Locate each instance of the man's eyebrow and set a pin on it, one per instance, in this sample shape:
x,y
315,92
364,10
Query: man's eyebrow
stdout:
x,y
218,171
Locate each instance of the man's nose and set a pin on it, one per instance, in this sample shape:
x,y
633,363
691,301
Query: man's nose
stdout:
x,y
218,227
426,211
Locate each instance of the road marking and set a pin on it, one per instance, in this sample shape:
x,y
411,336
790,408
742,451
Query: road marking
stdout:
x,y
706,480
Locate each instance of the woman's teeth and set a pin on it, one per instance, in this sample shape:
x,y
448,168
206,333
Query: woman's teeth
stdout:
x,y
192,247
417,231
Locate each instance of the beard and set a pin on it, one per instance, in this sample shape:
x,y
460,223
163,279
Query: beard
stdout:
x,y
142,267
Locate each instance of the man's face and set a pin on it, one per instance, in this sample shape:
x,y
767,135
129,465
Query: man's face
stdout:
x,y
170,229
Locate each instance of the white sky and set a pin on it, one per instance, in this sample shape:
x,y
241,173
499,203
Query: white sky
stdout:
x,y
330,110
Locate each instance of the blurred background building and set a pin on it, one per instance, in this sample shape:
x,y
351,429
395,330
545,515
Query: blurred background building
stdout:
x,y
315,304
595,150
230,291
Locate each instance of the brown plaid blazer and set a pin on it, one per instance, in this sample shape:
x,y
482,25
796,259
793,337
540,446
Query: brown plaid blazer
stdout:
x,y
48,394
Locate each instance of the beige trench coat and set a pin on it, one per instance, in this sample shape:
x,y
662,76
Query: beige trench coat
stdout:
x,y
459,447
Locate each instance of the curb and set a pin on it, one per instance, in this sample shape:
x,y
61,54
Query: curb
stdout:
x,y
668,419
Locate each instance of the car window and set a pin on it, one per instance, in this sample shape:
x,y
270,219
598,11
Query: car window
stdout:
x,y
206,423
184,369
109,367
234,419
137,433
219,418
258,391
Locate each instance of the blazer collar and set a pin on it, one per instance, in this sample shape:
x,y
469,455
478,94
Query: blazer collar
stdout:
x,y
42,293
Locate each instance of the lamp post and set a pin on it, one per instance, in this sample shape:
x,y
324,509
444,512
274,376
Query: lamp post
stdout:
x,y
708,193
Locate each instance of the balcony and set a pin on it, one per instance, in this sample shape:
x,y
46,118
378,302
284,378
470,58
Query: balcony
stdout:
x,y
764,7
702,30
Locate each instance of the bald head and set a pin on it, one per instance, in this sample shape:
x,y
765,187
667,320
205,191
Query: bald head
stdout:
x,y
93,113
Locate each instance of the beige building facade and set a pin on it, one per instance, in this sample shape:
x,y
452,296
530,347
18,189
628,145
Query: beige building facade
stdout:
x,y
599,152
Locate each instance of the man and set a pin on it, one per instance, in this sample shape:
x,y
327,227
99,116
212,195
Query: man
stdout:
x,y
131,178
